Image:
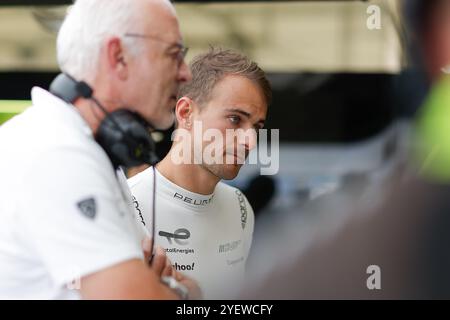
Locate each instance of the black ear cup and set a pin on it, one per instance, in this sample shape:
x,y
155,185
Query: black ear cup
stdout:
x,y
123,134
126,139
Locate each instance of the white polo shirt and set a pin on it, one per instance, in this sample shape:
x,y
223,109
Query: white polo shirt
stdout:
x,y
207,237
63,213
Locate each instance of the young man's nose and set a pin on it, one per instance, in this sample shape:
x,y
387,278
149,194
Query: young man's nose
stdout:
x,y
248,139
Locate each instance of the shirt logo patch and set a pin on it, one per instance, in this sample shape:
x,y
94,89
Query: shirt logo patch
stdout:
x,y
88,208
229,246
243,208
197,202
178,236
136,206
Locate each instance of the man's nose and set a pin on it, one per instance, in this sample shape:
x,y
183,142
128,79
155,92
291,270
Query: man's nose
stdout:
x,y
248,138
184,73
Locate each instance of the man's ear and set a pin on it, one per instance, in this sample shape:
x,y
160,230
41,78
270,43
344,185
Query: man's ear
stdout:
x,y
116,58
183,112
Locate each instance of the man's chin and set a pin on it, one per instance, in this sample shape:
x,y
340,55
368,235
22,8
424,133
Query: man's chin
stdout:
x,y
164,123
231,171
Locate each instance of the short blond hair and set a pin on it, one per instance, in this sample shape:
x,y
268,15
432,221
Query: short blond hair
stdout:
x,y
211,67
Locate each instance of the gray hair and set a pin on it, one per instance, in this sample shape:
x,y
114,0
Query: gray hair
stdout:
x,y
86,27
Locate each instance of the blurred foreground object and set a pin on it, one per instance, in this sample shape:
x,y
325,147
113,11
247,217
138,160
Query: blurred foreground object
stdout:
x,y
433,134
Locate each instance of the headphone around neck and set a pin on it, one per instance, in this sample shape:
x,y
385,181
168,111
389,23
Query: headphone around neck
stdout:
x,y
123,134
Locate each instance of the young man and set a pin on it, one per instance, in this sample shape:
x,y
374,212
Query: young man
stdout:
x,y
205,225
67,217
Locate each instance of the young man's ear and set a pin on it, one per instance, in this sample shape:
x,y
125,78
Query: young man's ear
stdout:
x,y
116,58
183,113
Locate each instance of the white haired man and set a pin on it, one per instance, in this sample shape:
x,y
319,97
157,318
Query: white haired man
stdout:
x,y
67,217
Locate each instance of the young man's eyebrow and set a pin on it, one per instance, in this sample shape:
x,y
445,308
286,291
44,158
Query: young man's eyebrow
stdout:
x,y
246,114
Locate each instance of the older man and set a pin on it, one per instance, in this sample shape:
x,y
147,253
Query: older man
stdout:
x,y
66,230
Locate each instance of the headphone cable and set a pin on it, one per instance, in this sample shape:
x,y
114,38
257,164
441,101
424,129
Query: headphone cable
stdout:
x,y
153,215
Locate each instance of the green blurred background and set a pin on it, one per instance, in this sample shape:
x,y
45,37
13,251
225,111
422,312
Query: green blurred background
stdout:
x,y
9,108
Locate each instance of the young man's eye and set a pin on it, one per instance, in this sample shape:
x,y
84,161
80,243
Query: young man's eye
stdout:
x,y
235,119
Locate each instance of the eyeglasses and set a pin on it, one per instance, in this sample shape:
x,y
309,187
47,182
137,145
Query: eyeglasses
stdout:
x,y
182,50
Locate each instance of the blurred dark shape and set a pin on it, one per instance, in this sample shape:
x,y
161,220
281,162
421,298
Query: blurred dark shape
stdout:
x,y
409,90
162,149
163,146
427,33
407,238
411,86
259,192
303,195
331,107
436,255
16,84
355,181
